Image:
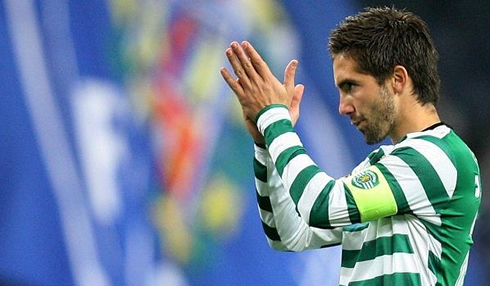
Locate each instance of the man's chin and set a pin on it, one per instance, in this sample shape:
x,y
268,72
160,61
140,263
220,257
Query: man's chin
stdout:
x,y
372,140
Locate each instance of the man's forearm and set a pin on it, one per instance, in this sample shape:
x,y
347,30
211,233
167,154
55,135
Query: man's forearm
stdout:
x,y
284,229
320,200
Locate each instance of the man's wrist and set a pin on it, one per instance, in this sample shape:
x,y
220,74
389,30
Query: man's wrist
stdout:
x,y
268,107
273,121
270,114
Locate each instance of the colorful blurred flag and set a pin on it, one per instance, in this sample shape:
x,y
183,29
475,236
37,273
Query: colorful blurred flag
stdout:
x,y
124,157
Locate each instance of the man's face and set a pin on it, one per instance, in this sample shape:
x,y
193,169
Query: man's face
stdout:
x,y
371,107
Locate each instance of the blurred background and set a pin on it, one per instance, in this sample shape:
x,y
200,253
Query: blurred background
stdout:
x,y
123,156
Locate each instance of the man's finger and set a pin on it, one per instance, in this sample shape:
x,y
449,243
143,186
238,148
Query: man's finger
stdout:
x,y
237,66
231,81
297,95
258,63
290,74
246,64
295,102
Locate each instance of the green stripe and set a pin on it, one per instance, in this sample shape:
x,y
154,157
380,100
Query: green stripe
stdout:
x,y
267,108
286,156
356,227
260,171
300,182
354,214
397,279
434,263
277,128
271,232
319,211
375,156
398,243
401,200
264,202
427,176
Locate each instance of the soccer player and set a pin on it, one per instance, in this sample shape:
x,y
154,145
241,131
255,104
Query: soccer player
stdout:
x,y
405,215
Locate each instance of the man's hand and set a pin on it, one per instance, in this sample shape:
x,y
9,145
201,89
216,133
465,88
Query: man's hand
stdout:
x,y
256,87
293,111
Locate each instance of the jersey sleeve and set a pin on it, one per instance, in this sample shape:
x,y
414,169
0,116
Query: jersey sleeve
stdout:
x,y
422,174
284,229
372,193
320,200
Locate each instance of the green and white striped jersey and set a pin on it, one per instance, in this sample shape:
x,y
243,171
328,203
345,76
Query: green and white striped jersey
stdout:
x,y
404,216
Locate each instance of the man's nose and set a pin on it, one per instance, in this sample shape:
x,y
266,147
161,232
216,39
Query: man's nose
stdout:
x,y
345,107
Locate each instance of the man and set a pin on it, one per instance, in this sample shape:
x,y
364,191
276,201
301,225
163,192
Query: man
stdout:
x,y
405,215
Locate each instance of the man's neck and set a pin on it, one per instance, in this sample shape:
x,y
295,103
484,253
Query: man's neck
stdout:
x,y
415,118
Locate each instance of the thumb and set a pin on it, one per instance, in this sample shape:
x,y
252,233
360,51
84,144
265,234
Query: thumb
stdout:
x,y
290,74
297,96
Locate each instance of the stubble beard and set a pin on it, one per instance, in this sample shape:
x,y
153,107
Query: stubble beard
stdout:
x,y
380,119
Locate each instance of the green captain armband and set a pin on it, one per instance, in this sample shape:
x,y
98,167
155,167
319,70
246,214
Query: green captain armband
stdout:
x,y
372,194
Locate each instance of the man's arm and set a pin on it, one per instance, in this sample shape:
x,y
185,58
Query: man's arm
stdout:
x,y
284,229
320,200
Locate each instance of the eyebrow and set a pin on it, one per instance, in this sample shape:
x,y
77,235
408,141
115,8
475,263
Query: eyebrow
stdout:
x,y
343,82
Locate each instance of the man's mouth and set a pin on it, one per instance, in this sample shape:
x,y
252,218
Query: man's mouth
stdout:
x,y
357,122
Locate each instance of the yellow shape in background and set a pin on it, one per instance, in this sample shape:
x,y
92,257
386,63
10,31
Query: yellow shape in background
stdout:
x,y
176,238
202,78
221,206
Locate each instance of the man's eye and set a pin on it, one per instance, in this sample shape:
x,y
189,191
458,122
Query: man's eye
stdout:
x,y
347,86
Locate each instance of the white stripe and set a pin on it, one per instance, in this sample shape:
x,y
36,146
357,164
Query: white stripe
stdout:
x,y
270,116
294,167
439,132
277,245
282,142
274,183
266,217
312,190
381,265
261,155
354,240
387,149
412,188
338,213
462,271
441,163
435,246
51,135
388,226
262,188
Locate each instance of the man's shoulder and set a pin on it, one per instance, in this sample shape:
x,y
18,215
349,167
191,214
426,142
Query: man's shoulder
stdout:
x,y
444,138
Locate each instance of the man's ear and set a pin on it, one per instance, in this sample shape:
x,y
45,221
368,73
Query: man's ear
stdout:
x,y
400,79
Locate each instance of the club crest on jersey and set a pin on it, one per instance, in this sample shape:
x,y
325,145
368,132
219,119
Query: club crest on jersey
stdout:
x,y
366,180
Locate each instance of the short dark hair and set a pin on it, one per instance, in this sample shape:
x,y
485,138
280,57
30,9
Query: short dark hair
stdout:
x,y
378,39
